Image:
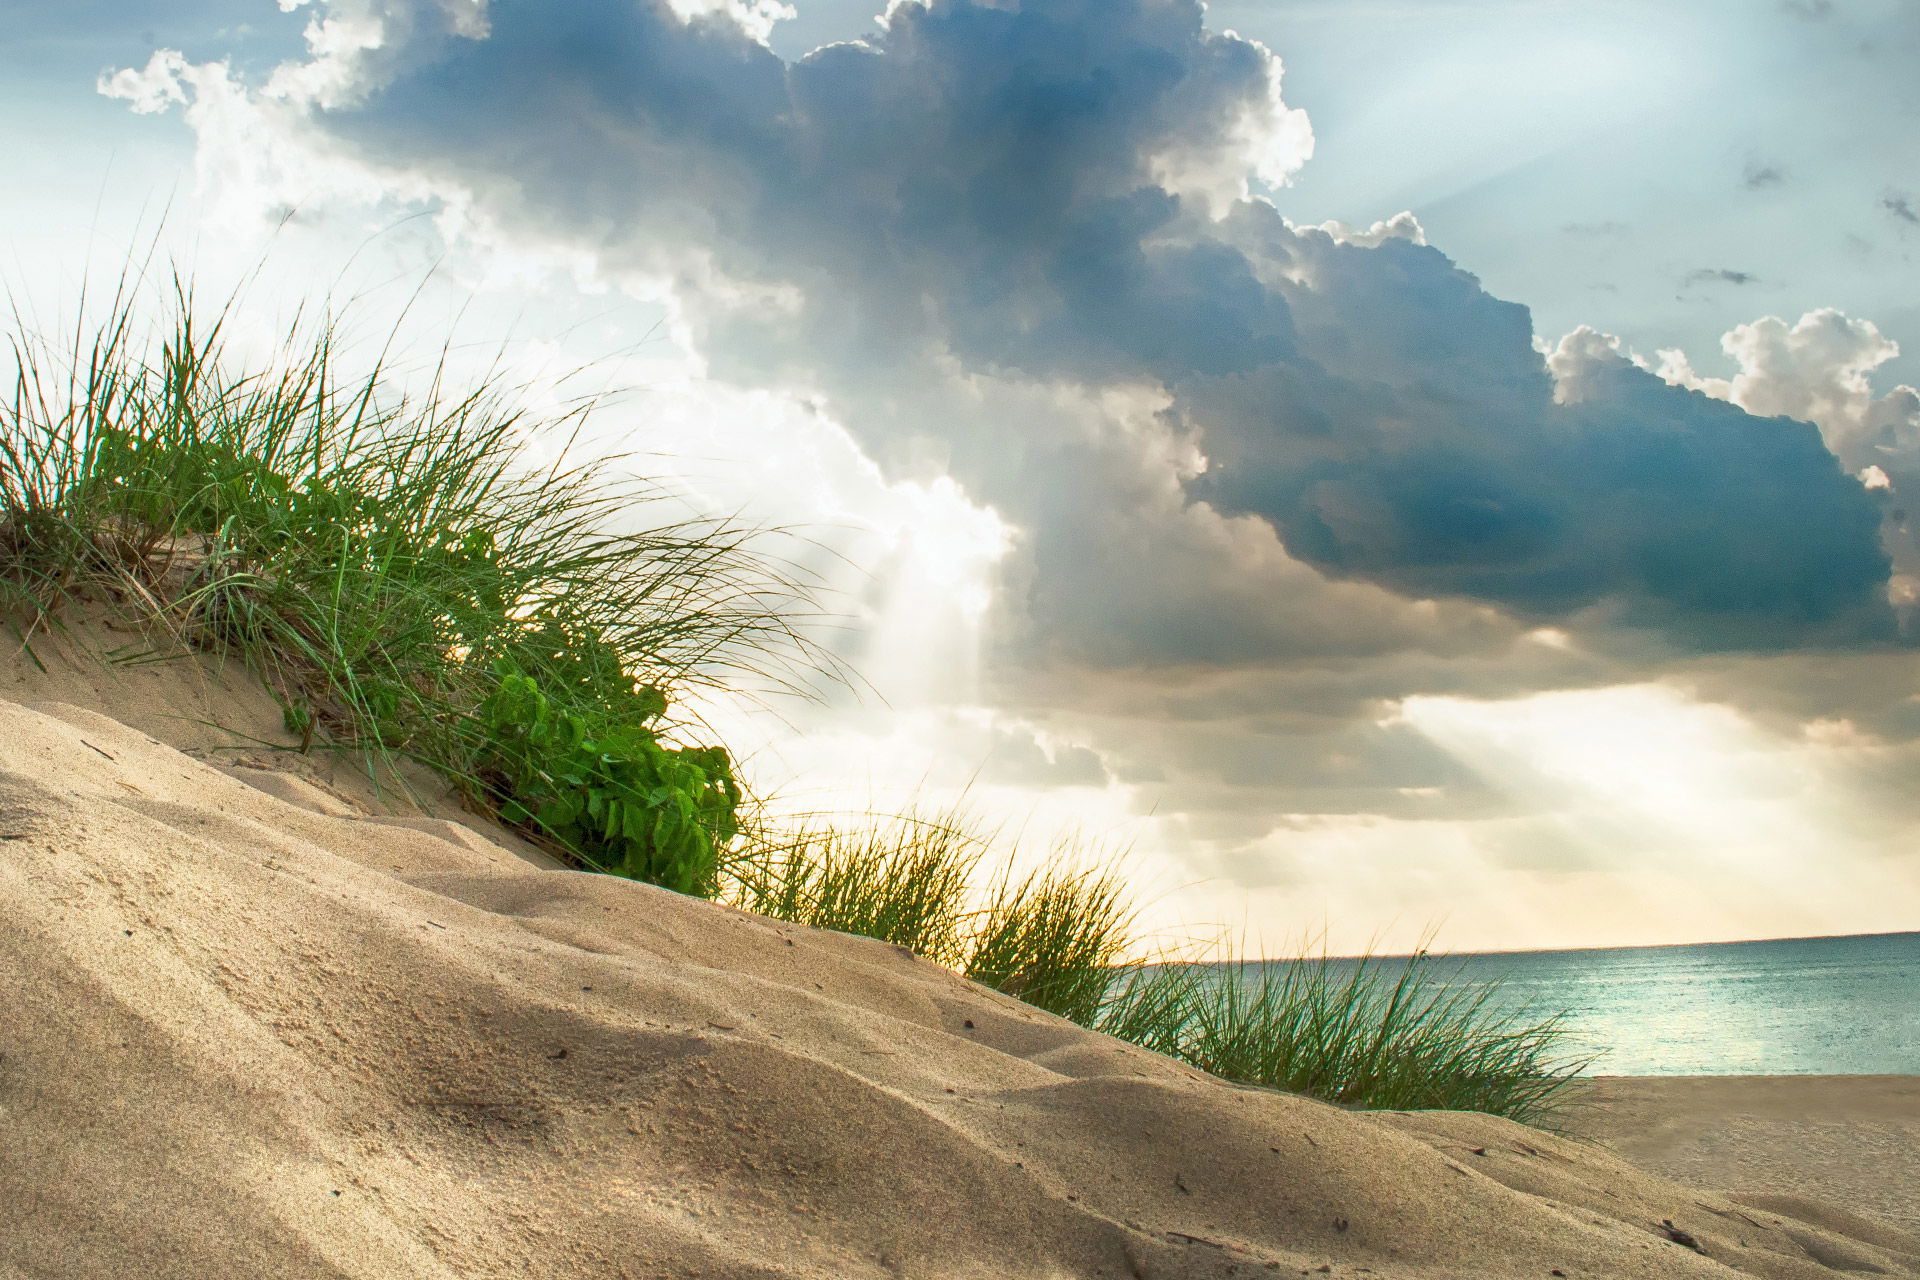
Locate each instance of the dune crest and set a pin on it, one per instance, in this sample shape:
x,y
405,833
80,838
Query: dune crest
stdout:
x,y
252,1030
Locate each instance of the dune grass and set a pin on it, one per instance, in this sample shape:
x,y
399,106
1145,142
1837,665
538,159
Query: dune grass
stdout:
x,y
397,574
1053,938
1049,936
1385,1033
903,879
409,585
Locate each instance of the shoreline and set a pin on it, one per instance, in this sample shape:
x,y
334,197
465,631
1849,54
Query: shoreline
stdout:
x,y
1852,1141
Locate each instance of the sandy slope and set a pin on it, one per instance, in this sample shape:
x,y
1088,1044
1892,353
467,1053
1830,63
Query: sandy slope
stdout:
x,y
1853,1140
246,1034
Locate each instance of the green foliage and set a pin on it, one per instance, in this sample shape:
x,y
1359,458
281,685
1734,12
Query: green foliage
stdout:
x,y
1355,1032
374,557
1349,1031
612,795
1053,938
903,880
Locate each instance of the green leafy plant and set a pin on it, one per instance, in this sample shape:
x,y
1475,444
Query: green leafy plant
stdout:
x,y
611,794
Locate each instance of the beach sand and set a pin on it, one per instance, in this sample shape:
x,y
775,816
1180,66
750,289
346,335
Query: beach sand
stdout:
x,y
251,1026
1850,1140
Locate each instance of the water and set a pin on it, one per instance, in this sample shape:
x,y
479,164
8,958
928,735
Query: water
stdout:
x,y
1824,1006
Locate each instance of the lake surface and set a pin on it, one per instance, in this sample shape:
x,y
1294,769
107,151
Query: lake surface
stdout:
x,y
1824,1006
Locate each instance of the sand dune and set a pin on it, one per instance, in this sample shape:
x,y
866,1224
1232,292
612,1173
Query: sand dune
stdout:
x,y
1854,1140
254,1031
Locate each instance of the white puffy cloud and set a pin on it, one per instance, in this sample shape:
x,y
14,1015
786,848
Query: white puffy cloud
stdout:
x,y
1819,370
1401,226
161,84
1578,355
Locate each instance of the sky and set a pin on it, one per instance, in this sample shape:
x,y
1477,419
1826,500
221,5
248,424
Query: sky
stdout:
x,y
1393,468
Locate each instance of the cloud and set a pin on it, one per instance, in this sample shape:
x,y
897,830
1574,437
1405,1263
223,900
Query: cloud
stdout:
x,y
1401,226
153,88
1900,205
1719,275
1419,443
1243,743
1262,482
1819,369
1757,176
1047,206
1021,759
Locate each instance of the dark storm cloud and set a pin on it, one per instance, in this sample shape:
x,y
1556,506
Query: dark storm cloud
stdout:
x,y
1015,759
1015,193
1421,445
975,176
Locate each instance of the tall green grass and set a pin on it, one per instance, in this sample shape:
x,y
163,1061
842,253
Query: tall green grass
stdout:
x,y
408,585
397,573
1381,1033
904,879
1053,938
1049,936
1403,1033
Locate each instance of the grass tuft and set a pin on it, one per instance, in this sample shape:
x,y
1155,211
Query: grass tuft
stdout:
x,y
1386,1034
1367,1032
903,880
398,573
1053,938
1049,937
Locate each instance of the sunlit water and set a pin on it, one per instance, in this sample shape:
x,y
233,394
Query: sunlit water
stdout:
x,y
1826,1006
